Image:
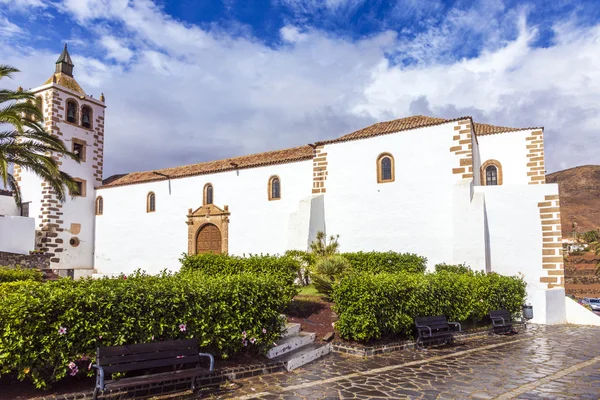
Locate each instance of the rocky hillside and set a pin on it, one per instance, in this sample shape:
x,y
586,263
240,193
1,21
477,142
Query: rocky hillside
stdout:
x,y
580,275
579,190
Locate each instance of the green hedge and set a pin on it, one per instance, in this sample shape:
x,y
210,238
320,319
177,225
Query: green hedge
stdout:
x,y
134,309
8,274
224,264
457,268
376,262
382,305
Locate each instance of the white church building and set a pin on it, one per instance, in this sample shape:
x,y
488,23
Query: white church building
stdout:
x,y
452,190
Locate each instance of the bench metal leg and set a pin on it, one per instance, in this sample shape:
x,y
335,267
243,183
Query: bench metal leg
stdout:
x,y
96,390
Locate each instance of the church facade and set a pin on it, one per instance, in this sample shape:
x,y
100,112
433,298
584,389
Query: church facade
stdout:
x,y
453,190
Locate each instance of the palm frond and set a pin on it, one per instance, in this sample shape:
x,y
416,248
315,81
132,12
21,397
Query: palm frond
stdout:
x,y
6,71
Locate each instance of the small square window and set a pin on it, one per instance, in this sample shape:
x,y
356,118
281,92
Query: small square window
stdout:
x,y
79,190
79,149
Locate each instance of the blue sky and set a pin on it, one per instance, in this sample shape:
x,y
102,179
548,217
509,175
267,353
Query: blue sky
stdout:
x,y
188,81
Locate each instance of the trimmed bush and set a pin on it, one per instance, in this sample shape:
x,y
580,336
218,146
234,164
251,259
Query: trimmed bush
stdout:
x,y
458,268
45,326
19,274
376,262
224,264
372,306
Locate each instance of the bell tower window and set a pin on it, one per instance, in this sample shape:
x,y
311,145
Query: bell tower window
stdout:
x,y
79,149
71,111
86,117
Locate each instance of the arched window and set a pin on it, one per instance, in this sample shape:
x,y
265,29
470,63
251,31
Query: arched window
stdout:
x,y
86,117
71,111
274,188
99,205
151,202
385,168
491,173
208,194
491,176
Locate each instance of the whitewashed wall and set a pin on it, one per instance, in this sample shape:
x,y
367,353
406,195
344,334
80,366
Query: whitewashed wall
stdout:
x,y
8,206
515,243
127,237
412,214
510,150
17,234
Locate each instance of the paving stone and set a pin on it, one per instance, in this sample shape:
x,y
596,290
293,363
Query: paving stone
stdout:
x,y
524,366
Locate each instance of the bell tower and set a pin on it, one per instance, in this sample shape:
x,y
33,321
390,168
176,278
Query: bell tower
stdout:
x,y
66,230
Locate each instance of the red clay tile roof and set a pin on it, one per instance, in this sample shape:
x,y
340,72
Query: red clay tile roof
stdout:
x,y
397,125
228,164
487,129
294,154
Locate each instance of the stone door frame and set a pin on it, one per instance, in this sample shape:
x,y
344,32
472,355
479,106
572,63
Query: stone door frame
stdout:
x,y
208,214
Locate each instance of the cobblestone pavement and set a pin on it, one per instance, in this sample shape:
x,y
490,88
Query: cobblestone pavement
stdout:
x,y
554,362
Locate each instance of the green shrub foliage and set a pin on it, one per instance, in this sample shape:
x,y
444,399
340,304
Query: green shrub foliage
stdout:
x,y
8,274
46,326
286,267
376,262
458,268
372,306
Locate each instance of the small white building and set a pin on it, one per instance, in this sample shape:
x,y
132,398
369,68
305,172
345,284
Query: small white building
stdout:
x,y
452,190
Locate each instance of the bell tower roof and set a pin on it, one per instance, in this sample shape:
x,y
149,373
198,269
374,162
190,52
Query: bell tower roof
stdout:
x,y
64,62
63,72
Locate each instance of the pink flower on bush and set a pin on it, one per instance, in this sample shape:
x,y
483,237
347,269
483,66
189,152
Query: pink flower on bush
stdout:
x,y
74,371
252,340
62,330
244,334
124,277
245,342
182,327
152,337
72,365
264,331
100,337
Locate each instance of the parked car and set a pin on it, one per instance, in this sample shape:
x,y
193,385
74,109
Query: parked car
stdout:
x,y
594,303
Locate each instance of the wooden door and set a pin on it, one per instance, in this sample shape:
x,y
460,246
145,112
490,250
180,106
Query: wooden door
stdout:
x,y
208,240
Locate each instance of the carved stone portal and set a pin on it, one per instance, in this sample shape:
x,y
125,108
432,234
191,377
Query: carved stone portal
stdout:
x,y
208,214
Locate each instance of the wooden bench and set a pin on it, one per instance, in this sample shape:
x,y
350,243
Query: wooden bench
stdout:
x,y
435,328
502,321
174,353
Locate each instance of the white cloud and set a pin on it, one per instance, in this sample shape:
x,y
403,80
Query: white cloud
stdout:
x,y
115,49
291,34
23,4
7,28
189,94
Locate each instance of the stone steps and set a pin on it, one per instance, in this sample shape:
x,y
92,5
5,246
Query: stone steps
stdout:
x,y
303,355
291,343
296,348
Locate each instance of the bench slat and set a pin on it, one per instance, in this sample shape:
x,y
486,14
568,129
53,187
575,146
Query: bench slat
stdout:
x,y
164,376
133,366
146,347
157,355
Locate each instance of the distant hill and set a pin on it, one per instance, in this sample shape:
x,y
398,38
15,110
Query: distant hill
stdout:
x,y
579,190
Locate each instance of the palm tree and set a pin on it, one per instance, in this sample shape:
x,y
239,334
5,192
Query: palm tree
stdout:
x,y
26,144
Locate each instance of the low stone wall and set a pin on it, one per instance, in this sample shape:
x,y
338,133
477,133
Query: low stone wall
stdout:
x,y
37,260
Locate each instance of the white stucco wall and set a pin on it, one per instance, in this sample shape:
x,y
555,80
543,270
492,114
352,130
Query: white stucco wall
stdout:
x,y
127,237
17,234
510,150
579,315
412,214
8,206
515,243
468,226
